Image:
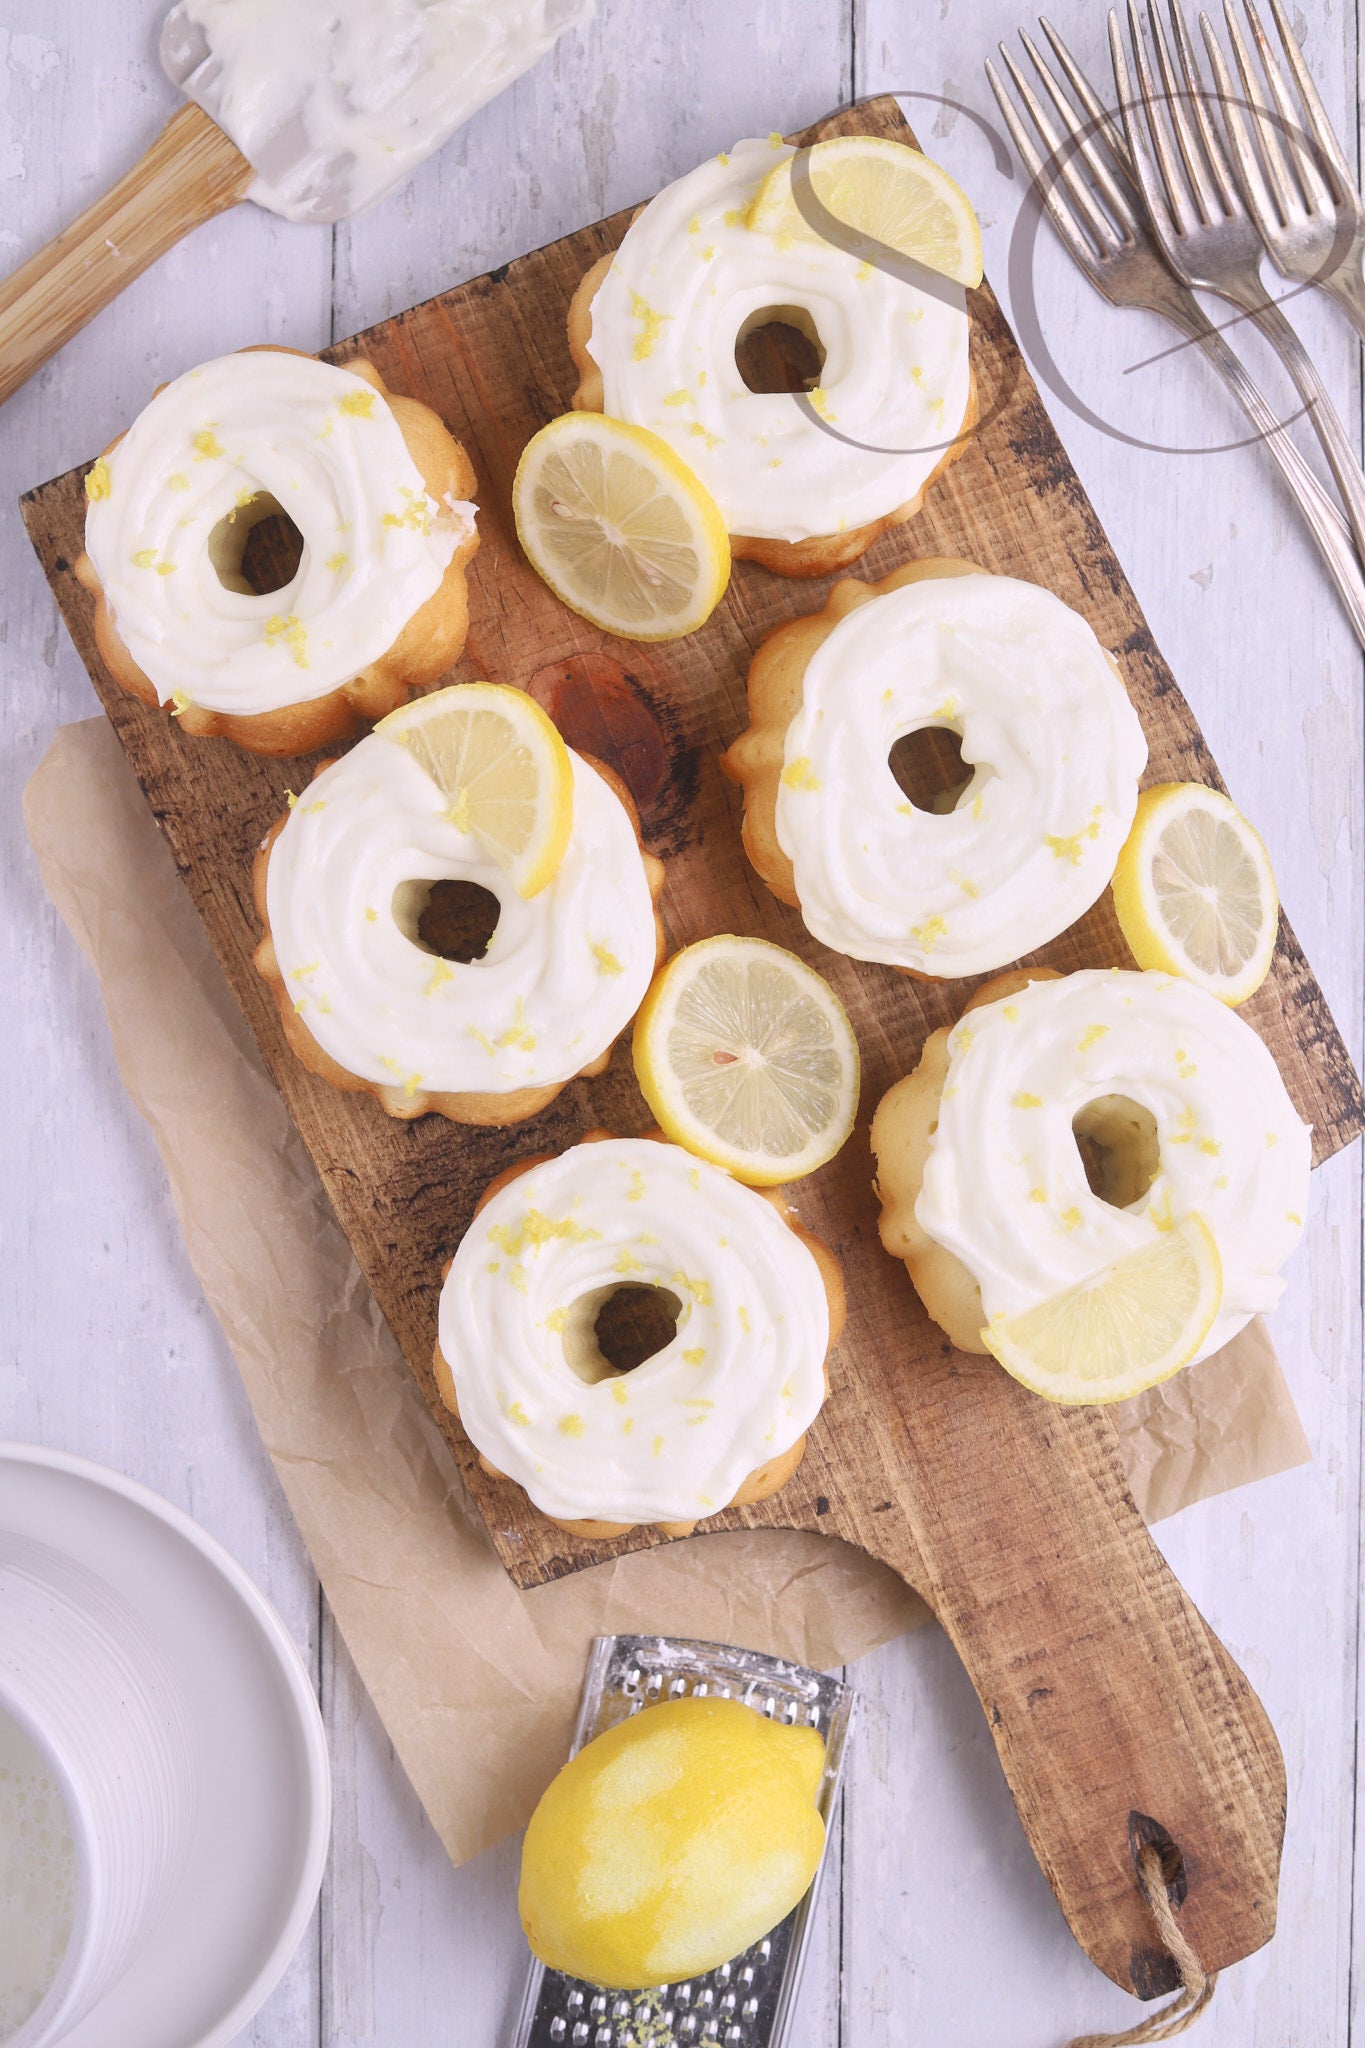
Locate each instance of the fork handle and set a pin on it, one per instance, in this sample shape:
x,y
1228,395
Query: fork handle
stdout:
x,y
1329,530
1336,443
1346,288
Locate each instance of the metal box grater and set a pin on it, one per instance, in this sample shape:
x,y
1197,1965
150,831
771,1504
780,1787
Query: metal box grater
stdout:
x,y
746,2003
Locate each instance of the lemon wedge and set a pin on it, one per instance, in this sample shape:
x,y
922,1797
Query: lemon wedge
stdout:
x,y
670,1843
1195,892
503,769
1133,1325
620,528
746,1056
886,194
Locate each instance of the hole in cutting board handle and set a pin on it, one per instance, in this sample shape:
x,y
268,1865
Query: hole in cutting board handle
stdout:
x,y
1153,1972
1145,1833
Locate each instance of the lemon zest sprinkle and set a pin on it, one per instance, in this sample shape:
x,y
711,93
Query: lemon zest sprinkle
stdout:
x,y
700,1290
799,774
536,1229
288,632
651,325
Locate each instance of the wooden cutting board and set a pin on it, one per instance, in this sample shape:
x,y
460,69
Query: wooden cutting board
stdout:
x,y
1117,1715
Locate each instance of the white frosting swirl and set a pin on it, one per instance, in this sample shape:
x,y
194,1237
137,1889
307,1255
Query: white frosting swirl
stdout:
x,y
1044,722
690,275
1004,1186
264,428
334,102
564,973
741,1379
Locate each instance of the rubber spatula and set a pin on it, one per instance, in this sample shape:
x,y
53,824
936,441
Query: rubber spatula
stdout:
x,y
194,170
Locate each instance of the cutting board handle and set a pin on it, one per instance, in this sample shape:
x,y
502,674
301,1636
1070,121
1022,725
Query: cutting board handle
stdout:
x,y
1118,1716
190,173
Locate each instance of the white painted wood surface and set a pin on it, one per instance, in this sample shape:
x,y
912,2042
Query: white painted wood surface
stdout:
x,y
935,1923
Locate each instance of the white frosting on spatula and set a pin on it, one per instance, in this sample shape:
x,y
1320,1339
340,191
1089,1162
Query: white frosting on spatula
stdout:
x,y
333,102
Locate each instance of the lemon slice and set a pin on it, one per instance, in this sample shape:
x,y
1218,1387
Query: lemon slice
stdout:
x,y
746,1057
1134,1324
886,194
503,769
620,528
1195,892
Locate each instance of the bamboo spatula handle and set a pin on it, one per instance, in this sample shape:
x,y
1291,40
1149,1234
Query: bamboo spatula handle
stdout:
x,y
190,173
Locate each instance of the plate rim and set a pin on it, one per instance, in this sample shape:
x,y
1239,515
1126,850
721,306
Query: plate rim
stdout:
x,y
284,1653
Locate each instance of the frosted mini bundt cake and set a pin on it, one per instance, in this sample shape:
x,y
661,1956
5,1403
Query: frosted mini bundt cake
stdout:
x,y
718,1415
804,483
1051,754
379,493
345,879
1072,1154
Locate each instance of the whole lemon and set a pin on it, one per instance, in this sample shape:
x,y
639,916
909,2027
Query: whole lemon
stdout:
x,y
670,1843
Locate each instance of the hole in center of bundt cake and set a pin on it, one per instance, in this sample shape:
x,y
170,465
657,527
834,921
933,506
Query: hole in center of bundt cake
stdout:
x,y
256,547
928,767
778,349
614,1329
453,920
1120,1151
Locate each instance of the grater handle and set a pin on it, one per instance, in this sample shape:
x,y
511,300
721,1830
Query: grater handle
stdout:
x,y
1118,1716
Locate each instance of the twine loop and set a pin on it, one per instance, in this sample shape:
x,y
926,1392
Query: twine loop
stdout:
x,y
1196,1985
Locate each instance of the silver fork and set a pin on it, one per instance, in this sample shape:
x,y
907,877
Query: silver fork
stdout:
x,y
1294,175
1102,227
1201,225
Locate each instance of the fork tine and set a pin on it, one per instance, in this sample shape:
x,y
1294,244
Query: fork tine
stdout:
x,y
1083,142
1046,186
1239,128
1215,154
1178,96
1169,216
1288,129
1320,127
1105,125
1246,115
1056,175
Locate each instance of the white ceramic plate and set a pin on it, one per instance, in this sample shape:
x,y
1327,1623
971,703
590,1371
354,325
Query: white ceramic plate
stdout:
x,y
265,1802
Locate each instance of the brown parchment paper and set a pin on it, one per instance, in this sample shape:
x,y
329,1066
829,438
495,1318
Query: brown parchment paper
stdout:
x,y
476,1682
